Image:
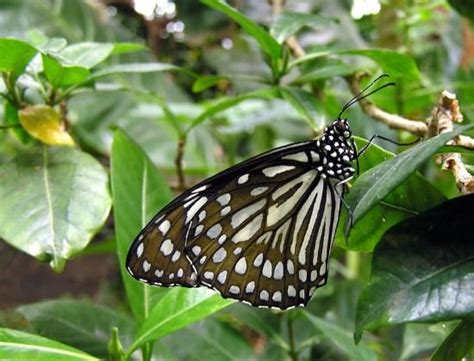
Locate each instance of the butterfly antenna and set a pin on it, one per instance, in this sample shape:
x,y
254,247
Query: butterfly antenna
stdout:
x,y
359,96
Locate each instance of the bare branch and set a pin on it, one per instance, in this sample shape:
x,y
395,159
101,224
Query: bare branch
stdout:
x,y
442,117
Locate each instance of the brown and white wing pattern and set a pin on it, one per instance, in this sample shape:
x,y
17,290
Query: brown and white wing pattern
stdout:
x,y
259,232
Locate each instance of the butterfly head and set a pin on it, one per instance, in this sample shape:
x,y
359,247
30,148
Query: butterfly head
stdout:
x,y
342,128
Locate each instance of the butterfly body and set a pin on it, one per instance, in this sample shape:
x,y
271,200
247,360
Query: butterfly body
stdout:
x,y
260,232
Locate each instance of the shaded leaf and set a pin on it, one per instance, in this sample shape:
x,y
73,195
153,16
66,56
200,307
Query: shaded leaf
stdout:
x,y
178,308
44,123
265,40
415,195
391,62
306,104
341,338
16,345
378,182
139,191
87,54
11,118
78,323
422,270
289,23
205,82
458,344
64,200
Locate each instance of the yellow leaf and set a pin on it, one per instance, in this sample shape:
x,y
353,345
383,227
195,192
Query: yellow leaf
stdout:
x,y
44,123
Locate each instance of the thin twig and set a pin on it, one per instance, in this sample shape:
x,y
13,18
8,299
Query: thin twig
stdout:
x,y
179,164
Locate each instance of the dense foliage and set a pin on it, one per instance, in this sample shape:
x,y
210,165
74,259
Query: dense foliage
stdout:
x,y
94,120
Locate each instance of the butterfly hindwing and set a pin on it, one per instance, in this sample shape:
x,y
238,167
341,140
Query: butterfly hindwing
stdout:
x,y
259,232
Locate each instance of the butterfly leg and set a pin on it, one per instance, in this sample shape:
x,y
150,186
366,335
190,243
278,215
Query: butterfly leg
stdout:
x,y
375,136
350,219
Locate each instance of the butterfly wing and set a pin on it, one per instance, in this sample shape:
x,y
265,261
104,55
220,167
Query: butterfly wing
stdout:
x,y
259,232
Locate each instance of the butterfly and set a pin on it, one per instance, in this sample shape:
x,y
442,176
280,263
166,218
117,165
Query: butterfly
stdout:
x,y
260,232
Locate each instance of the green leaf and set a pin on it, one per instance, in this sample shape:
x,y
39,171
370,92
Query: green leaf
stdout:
x,y
15,55
63,75
78,323
123,48
205,82
87,54
396,64
341,338
136,68
16,345
415,195
177,309
326,72
458,344
306,104
422,270
225,103
64,200
12,119
378,182
289,23
265,40
139,191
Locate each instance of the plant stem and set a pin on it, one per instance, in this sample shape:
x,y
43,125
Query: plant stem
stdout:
x,y
291,338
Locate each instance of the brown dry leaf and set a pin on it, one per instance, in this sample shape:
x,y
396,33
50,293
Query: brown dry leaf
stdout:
x,y
44,123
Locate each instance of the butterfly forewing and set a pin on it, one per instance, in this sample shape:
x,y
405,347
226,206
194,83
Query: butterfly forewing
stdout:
x,y
260,232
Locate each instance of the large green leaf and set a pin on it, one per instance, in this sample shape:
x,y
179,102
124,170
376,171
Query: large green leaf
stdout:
x,y
458,344
15,55
16,345
265,40
139,192
415,195
422,270
54,199
289,23
396,64
341,338
178,308
379,181
78,323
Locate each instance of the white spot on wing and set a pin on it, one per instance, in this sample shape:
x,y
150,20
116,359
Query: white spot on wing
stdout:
x,y
273,171
164,227
140,249
159,273
243,179
234,290
290,267
209,275
222,277
175,256
198,230
278,273
258,260
250,287
249,230
196,250
241,266
302,274
225,211
267,269
146,265
299,157
257,191
214,231
242,215
276,296
219,256
291,291
195,208
201,188
223,199
264,295
166,247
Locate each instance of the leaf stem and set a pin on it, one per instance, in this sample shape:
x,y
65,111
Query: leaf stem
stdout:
x,y
179,163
